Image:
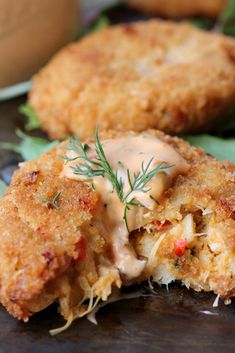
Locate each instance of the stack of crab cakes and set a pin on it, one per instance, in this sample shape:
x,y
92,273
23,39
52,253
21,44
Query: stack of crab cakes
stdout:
x,y
125,79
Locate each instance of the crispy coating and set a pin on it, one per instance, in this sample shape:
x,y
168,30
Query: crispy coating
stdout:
x,y
200,210
133,77
39,242
179,8
40,247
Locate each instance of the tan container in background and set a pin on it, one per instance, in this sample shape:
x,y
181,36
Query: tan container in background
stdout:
x,y
31,31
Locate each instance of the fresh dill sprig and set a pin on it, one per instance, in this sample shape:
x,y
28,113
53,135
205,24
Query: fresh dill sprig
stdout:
x,y
144,176
140,181
99,166
91,168
51,202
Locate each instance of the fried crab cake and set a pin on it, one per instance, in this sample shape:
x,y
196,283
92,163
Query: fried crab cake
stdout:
x,y
64,238
133,77
179,8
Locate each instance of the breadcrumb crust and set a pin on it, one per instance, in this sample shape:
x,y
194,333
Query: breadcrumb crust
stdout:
x,y
39,244
153,74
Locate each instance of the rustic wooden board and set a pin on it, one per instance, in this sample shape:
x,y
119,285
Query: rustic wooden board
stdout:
x,y
170,321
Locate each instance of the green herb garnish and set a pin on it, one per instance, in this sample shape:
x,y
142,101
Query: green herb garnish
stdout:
x,y
51,202
99,166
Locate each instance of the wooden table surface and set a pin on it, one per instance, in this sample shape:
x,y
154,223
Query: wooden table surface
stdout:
x,y
169,321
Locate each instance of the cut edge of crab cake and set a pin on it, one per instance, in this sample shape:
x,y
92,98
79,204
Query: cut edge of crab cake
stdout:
x,y
163,75
180,8
119,209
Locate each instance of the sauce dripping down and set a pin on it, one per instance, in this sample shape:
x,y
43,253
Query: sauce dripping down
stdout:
x,y
130,152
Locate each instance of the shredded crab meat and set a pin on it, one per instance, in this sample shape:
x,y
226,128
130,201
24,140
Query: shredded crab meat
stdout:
x,y
100,290
207,312
150,284
216,301
152,256
72,316
116,296
58,330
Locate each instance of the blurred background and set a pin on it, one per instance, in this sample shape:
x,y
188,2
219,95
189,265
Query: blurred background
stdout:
x,y
32,31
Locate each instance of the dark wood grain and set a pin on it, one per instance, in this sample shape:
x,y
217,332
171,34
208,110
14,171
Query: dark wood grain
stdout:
x,y
170,321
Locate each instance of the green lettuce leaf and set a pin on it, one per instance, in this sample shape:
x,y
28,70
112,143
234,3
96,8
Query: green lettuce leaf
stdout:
x,y
32,118
3,187
227,19
202,23
29,147
223,149
101,23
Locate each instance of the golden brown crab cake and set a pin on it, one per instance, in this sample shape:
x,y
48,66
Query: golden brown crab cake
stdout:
x,y
153,74
54,245
179,8
49,249
192,238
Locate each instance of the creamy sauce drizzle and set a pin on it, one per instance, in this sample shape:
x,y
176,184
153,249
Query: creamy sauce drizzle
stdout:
x,y
122,154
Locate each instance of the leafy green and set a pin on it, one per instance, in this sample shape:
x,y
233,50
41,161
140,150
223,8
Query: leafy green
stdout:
x,y
227,19
32,118
202,23
225,23
218,147
29,147
101,23
3,187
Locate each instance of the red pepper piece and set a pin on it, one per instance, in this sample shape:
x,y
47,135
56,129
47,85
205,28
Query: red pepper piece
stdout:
x,y
180,247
